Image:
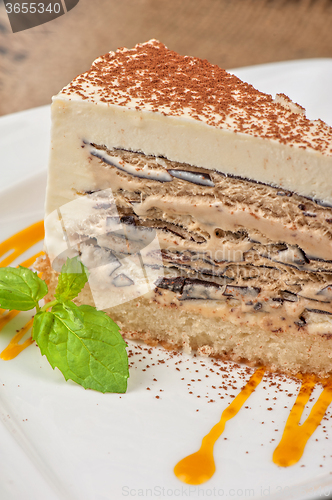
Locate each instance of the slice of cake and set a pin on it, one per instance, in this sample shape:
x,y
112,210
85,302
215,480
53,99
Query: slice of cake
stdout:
x,y
201,206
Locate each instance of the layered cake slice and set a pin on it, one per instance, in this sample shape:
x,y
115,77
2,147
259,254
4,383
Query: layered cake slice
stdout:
x,y
201,206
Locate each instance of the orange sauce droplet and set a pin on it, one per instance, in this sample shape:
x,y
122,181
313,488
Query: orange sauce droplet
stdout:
x,y
295,436
5,318
14,348
200,467
20,242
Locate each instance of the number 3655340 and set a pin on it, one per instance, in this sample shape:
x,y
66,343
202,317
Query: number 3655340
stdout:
x,y
32,8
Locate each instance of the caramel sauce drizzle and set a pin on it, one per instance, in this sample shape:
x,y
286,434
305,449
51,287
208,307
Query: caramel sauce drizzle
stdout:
x,y
20,242
200,466
17,245
295,436
5,318
14,348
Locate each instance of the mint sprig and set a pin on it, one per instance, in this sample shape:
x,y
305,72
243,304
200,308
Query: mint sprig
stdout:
x,y
82,342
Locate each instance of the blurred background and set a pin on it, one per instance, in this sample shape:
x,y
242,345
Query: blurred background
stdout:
x,y
38,62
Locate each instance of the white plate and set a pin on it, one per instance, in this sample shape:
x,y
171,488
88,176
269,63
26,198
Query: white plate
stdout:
x,y
61,442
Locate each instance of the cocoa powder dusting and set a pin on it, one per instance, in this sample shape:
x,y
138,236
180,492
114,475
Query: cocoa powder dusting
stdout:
x,y
152,77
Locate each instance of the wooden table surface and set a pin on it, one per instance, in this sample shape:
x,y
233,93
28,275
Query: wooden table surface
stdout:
x,y
38,62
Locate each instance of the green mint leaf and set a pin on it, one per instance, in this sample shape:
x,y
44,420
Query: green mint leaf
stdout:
x,y
71,280
20,288
105,341
91,353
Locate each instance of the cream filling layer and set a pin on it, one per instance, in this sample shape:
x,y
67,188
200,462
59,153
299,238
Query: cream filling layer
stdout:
x,y
216,215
